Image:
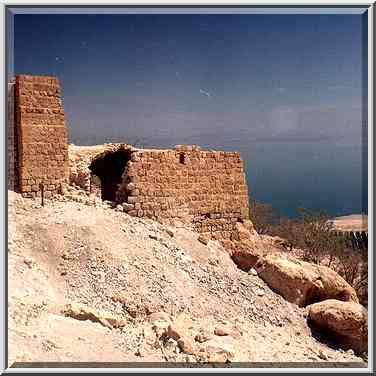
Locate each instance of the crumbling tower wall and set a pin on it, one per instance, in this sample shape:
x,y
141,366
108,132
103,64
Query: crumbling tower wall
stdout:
x,y
41,136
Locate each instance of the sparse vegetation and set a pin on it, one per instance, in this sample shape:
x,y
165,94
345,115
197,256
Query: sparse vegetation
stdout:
x,y
312,233
262,216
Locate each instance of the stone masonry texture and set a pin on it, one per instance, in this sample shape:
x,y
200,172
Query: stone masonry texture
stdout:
x,y
42,150
205,188
12,141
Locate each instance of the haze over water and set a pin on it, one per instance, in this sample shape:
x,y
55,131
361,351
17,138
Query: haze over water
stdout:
x,y
284,90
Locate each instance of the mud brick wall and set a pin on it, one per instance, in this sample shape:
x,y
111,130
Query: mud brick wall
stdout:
x,y
41,135
205,188
12,144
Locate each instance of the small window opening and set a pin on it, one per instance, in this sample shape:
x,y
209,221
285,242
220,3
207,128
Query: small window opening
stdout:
x,y
182,158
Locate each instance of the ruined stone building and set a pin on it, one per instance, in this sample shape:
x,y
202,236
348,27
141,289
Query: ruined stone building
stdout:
x,y
37,136
206,188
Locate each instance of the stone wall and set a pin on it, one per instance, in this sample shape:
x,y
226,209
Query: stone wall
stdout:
x,y
41,135
205,188
12,144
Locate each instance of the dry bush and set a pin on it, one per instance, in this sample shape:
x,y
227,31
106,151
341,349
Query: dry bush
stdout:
x,y
262,216
312,234
352,265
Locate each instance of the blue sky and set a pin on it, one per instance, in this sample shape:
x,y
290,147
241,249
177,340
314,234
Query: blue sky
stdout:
x,y
285,90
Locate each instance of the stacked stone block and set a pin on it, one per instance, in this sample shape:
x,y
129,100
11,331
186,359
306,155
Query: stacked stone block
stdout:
x,y
205,188
12,141
41,136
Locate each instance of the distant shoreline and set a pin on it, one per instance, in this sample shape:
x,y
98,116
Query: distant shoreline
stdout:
x,y
352,222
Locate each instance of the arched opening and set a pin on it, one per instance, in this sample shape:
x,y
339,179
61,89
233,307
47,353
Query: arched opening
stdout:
x,y
109,169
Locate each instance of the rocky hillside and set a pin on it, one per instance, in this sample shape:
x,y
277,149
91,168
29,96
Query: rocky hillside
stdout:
x,y
87,282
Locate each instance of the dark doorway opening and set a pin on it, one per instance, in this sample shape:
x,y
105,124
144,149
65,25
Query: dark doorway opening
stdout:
x,y
110,169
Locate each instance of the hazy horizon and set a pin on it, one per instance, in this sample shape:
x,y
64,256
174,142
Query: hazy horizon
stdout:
x,y
284,90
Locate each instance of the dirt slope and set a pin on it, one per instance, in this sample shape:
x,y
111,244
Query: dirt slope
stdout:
x,y
94,256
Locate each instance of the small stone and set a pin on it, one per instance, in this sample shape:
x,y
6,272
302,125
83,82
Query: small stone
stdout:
x,y
217,357
260,292
159,316
28,262
65,256
137,206
171,344
222,331
160,320
127,207
131,186
186,345
214,347
174,331
323,356
190,359
203,239
101,277
170,232
201,337
119,208
252,271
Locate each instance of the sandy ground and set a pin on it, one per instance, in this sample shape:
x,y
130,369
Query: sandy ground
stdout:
x,y
67,252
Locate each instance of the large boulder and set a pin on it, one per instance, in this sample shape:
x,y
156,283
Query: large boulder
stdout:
x,y
344,323
245,255
246,246
301,282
